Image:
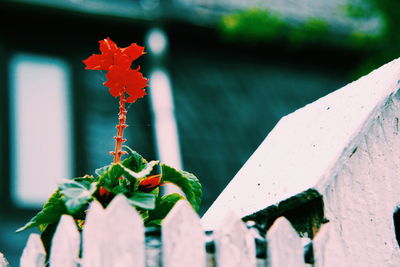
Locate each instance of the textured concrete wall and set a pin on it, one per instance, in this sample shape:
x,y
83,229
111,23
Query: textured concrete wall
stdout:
x,y
363,193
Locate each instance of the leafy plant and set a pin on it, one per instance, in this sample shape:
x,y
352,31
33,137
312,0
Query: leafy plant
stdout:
x,y
133,176
142,190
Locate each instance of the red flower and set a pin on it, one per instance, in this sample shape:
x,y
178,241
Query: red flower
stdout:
x,y
117,61
130,81
104,192
149,183
112,55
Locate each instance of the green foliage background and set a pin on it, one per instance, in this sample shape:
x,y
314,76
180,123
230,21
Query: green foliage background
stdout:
x,y
260,26
388,44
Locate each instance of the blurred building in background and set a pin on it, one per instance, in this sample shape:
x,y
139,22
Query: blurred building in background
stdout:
x,y
222,74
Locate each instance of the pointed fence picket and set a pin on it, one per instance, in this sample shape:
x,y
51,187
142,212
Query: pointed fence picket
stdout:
x,y
234,245
115,236
93,238
3,261
34,254
65,244
319,245
124,223
284,245
183,237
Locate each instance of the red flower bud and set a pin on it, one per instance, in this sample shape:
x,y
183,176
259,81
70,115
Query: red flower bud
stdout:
x,y
150,183
103,192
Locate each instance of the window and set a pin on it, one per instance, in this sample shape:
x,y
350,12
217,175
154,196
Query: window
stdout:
x,y
40,127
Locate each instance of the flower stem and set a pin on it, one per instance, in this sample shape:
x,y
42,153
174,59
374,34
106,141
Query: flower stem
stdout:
x,y
121,127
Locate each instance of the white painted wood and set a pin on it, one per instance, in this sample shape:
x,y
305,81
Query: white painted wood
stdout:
x,y
284,245
125,234
94,242
34,254
362,196
320,244
183,237
234,244
65,245
303,147
3,261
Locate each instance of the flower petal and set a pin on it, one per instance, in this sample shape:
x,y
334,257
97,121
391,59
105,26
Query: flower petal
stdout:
x,y
94,62
135,83
133,51
138,94
107,46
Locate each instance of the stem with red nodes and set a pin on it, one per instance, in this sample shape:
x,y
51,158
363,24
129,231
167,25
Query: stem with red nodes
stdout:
x,y
118,139
121,127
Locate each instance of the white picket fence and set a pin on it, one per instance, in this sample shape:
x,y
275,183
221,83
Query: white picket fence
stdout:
x,y
115,236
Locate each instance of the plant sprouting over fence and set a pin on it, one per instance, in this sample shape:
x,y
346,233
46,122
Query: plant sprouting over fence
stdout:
x,y
116,236
133,176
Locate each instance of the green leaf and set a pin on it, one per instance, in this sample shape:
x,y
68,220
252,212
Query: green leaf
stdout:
x,y
87,178
110,176
119,189
155,192
186,181
76,194
114,172
102,170
50,213
163,206
137,175
156,222
143,200
135,161
143,213
124,186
